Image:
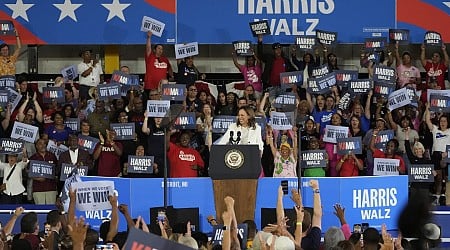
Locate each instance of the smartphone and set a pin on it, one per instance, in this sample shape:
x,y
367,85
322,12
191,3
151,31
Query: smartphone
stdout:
x,y
284,186
357,228
161,215
364,226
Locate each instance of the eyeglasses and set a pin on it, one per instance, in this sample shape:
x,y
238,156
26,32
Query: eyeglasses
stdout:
x,y
195,90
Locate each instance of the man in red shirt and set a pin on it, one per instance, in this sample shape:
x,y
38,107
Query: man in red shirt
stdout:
x,y
436,67
389,152
157,66
184,160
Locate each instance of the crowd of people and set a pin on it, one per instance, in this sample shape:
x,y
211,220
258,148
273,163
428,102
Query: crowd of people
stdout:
x,y
421,136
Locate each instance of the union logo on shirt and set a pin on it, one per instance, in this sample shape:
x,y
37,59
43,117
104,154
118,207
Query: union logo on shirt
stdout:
x,y
186,157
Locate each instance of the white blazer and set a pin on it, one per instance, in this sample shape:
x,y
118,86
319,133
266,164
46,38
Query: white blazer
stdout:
x,y
254,136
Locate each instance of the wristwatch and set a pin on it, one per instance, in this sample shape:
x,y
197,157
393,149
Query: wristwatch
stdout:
x,y
226,228
317,191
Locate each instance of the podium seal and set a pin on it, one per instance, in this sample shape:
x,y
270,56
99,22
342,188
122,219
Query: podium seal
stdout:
x,y
234,159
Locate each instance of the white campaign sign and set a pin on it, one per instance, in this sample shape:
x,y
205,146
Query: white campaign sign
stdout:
x,y
437,92
383,166
331,133
398,99
280,121
157,108
25,132
186,50
93,195
150,24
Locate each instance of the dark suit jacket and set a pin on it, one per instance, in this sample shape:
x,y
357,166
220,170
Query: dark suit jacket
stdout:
x,y
84,159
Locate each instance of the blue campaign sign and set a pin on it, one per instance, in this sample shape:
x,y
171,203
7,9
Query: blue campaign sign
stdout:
x,y
88,22
287,19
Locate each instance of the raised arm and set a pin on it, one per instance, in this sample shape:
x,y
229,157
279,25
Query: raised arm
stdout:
x,y
148,44
427,116
145,128
18,44
310,102
444,52
367,107
398,60
408,149
37,107
72,203
317,215
226,240
8,228
423,59
269,141
5,122
372,140
229,202
21,112
114,225
391,121
235,61
280,208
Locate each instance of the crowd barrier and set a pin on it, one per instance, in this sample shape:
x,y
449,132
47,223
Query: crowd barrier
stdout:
x,y
374,200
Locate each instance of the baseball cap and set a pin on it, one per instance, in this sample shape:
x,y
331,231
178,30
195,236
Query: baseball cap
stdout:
x,y
276,45
381,119
285,144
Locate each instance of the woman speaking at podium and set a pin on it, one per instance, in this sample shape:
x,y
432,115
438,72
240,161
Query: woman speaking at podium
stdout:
x,y
245,131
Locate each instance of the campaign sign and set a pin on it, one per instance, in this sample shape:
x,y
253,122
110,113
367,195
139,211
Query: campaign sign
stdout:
x,y
56,149
150,24
14,97
286,102
440,103
124,131
398,99
332,133
124,79
280,121
384,166
383,89
157,108
140,164
382,138
242,230
186,120
41,169
72,123
432,38
349,145
186,50
345,101
174,92
4,98
260,28
262,122
7,28
313,158
67,169
25,132
413,95
221,123
109,91
375,44
8,81
374,57
400,35
70,72
447,148
243,48
11,146
87,143
343,77
384,74
421,173
50,94
93,195
138,239
320,71
326,82
360,86
295,77
326,37
314,88
436,92
305,42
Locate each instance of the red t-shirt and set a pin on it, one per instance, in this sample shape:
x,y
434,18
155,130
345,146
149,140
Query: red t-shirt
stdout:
x,y
380,154
349,168
155,70
47,184
437,71
109,161
181,159
277,68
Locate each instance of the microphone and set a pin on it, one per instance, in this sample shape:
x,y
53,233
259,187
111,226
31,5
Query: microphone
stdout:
x,y
231,140
238,137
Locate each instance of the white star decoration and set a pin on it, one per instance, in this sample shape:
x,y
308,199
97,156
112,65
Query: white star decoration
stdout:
x,y
19,9
447,3
67,10
116,9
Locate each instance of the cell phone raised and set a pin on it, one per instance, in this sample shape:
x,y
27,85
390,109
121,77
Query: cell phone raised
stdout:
x,y
357,228
284,186
161,215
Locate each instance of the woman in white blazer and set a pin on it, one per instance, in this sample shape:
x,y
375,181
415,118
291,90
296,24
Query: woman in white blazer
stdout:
x,y
244,131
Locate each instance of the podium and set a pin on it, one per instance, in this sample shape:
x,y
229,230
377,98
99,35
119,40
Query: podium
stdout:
x,y
235,170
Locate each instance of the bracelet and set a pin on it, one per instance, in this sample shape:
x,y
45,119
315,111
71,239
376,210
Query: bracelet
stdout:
x,y
298,223
374,135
